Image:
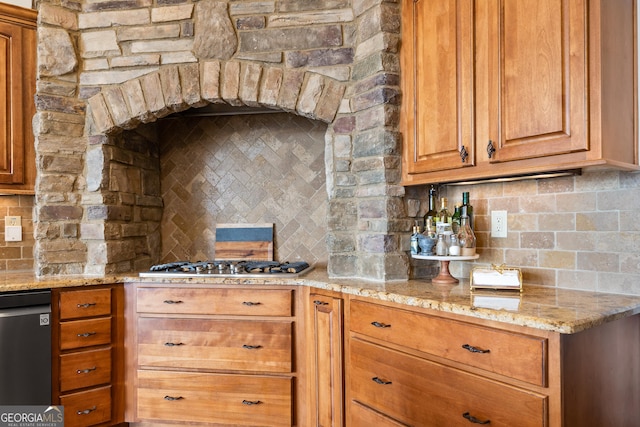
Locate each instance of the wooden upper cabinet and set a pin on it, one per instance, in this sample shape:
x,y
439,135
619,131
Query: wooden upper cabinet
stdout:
x,y
437,63
518,86
17,90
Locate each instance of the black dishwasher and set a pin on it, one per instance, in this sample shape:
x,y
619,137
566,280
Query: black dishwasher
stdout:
x,y
25,348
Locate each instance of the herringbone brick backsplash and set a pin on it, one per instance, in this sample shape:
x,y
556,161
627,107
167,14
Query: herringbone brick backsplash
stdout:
x,y
261,168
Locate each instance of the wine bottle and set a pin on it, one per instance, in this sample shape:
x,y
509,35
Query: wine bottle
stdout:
x,y
455,218
431,213
466,208
444,216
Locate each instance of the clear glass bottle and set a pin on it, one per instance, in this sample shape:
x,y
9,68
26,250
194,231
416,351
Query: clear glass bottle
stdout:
x,y
454,246
441,246
466,238
414,241
444,216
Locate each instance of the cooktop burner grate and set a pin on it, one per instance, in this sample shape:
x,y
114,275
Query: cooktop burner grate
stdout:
x,y
224,268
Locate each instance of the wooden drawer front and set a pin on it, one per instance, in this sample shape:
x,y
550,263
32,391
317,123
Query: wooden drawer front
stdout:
x,y
361,416
85,333
244,345
419,392
215,398
515,355
87,408
241,302
85,303
85,369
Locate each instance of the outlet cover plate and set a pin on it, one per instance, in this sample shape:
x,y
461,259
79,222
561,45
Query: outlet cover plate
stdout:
x,y
499,224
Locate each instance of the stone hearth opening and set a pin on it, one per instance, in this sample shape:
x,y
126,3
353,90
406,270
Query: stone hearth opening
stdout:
x,y
108,72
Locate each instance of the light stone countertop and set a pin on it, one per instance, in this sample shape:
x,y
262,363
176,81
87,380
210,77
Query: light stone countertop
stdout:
x,y
546,308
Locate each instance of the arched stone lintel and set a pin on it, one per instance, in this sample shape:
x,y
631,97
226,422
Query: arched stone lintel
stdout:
x,y
176,88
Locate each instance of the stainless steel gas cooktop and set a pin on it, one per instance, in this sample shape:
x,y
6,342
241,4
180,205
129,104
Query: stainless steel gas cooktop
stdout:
x,y
224,268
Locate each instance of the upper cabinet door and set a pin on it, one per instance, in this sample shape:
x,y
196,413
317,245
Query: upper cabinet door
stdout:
x,y
537,76
11,152
437,67
17,90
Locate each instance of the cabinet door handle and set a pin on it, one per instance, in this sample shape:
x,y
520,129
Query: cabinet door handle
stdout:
x,y
173,344
490,149
318,302
380,325
86,305
380,381
251,347
170,301
464,154
251,402
87,411
251,303
86,334
474,420
172,398
86,371
473,349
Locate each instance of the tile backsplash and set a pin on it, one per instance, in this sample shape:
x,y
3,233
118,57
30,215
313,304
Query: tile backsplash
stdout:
x,y
17,256
580,232
263,168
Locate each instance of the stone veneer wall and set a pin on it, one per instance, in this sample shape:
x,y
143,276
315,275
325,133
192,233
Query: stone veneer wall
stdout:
x,y
106,66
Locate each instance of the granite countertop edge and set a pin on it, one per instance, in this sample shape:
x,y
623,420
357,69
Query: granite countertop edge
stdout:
x,y
553,309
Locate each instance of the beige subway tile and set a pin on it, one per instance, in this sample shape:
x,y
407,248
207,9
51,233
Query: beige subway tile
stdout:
x,y
557,259
598,261
557,222
537,240
597,180
563,184
539,276
534,204
521,257
597,221
576,241
576,202
574,279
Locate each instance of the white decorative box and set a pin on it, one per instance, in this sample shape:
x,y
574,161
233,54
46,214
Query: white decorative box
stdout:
x,y
496,277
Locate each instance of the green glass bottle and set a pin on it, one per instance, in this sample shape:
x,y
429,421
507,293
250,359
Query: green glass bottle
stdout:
x,y
466,208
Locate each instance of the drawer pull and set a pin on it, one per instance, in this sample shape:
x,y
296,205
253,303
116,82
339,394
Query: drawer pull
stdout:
x,y
380,325
318,302
381,381
86,334
172,398
173,344
474,420
87,411
86,305
251,347
85,371
170,301
251,402
251,303
473,349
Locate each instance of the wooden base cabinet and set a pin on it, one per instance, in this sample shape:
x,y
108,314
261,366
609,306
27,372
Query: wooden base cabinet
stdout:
x,y
325,349
88,366
216,356
410,367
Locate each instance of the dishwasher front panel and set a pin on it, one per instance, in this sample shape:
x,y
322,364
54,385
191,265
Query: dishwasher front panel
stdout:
x,y
25,351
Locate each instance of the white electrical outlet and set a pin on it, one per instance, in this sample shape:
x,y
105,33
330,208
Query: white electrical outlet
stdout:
x,y
12,229
13,221
499,224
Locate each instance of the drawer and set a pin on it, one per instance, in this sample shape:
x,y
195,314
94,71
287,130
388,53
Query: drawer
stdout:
x,y
85,333
87,408
185,397
243,345
240,302
361,416
420,392
85,303
518,356
85,369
